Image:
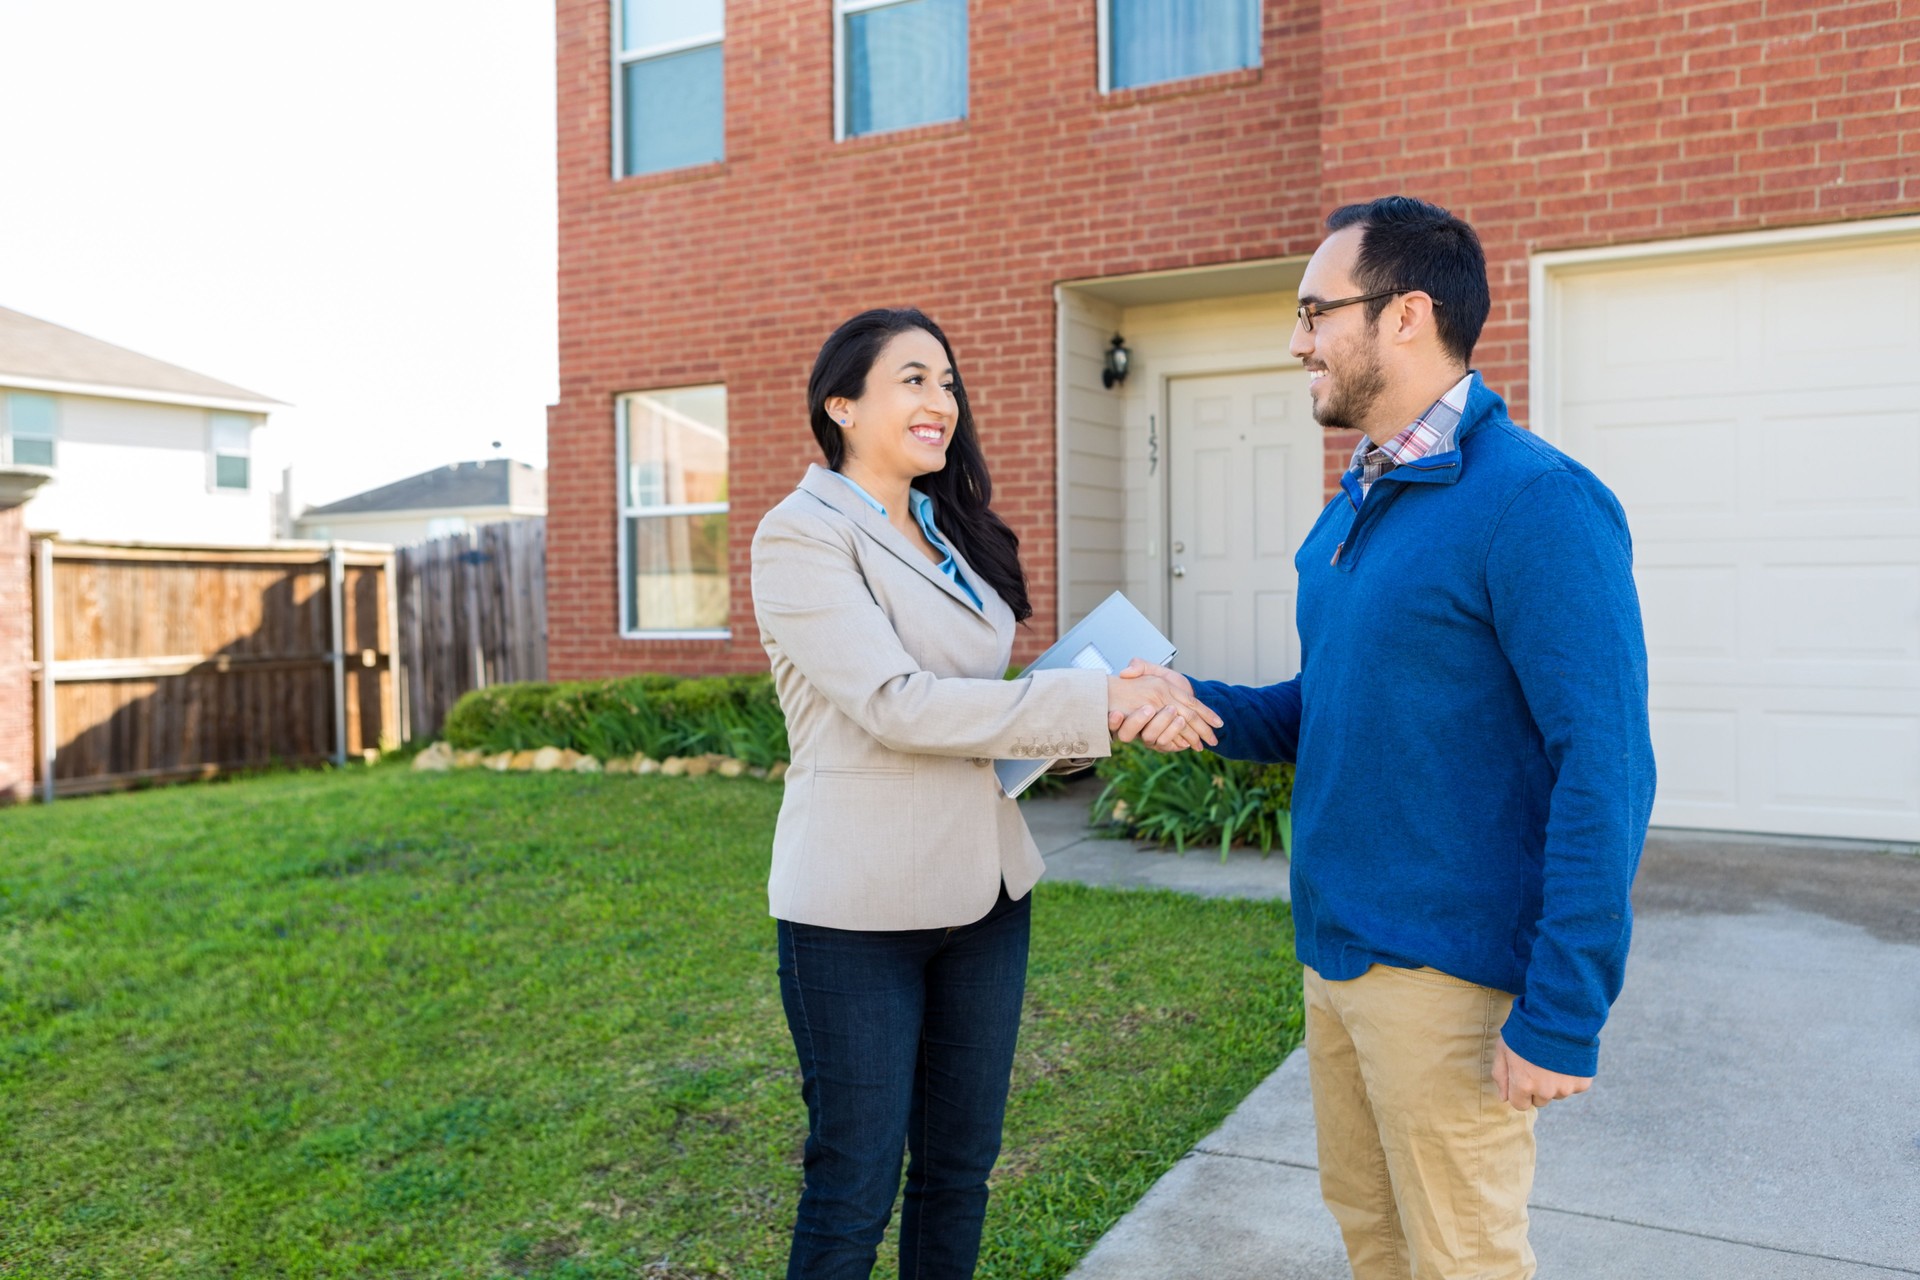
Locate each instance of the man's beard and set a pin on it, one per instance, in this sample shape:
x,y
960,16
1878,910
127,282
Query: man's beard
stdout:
x,y
1353,394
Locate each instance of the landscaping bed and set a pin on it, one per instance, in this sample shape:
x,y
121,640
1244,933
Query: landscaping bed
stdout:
x,y
384,1023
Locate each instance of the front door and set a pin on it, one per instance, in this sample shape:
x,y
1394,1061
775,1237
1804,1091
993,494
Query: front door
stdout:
x,y
1245,480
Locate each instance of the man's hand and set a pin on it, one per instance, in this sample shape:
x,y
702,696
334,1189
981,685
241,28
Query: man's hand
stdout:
x,y
1525,1087
1180,724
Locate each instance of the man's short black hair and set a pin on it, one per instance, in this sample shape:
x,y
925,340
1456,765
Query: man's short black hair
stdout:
x,y
1410,244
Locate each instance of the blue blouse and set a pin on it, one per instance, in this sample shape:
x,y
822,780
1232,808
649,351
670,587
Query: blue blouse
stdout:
x,y
923,516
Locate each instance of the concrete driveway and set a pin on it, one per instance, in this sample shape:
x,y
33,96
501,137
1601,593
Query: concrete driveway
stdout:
x,y
1757,1113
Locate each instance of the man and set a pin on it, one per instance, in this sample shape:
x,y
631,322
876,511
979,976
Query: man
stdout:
x,y
1474,770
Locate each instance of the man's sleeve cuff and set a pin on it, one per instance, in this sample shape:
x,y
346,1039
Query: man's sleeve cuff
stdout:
x,y
1554,1052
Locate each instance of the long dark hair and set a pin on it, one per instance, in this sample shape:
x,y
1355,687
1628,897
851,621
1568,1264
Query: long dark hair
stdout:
x,y
962,492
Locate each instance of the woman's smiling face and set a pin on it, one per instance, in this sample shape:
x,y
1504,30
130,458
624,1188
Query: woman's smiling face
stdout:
x,y
904,420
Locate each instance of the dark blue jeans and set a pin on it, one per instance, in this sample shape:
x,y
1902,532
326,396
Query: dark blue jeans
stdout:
x,y
905,1041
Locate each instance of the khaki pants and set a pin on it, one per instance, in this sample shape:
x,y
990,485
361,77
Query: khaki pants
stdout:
x,y
1424,1167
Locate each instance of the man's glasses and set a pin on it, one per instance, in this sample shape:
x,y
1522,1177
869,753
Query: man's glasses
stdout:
x,y
1308,312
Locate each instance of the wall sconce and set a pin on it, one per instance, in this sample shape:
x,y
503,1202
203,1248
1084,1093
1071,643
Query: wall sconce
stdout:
x,y
1118,357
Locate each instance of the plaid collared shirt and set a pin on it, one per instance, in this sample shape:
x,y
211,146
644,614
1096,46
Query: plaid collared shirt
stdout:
x,y
1431,432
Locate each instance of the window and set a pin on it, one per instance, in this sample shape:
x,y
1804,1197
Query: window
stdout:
x,y
669,86
1148,41
901,63
230,441
673,512
30,430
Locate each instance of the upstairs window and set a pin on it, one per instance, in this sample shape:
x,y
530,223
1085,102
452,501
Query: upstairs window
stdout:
x,y
673,512
1151,41
901,63
230,442
29,429
669,109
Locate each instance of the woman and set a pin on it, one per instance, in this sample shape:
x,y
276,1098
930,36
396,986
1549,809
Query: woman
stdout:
x,y
887,592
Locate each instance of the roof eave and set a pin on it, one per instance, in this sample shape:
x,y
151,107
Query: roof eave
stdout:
x,y
237,404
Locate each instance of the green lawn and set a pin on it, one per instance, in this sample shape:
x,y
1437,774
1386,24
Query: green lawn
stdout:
x,y
378,1023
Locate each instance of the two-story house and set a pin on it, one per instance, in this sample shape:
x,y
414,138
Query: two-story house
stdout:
x,y
140,450
1700,221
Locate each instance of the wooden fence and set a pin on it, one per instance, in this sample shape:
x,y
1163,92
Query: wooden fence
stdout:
x,y
473,613
154,663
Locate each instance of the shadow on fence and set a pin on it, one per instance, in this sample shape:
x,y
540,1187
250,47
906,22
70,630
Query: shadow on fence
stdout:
x,y
170,663
472,613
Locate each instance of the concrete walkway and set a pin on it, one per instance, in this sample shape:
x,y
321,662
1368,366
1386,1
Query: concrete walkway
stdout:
x,y
1757,1113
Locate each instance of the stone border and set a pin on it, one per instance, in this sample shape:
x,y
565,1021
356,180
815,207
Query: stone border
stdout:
x,y
441,758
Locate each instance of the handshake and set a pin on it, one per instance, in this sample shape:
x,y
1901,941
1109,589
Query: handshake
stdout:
x,y
1156,706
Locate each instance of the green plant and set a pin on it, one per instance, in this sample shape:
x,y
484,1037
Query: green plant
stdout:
x,y
1196,797
659,715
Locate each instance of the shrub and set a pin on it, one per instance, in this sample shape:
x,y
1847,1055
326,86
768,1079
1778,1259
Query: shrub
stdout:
x,y
660,715
507,717
1195,797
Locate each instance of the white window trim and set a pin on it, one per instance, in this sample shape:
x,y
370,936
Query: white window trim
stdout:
x,y
842,8
1103,25
6,426
214,454
624,513
623,58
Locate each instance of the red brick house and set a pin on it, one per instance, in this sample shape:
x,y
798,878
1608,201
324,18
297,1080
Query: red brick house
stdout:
x,y
1701,225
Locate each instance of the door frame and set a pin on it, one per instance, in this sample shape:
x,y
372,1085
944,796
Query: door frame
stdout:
x,y
1161,521
1105,302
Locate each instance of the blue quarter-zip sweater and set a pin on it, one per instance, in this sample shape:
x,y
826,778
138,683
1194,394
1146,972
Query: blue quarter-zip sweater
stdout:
x,y
1474,772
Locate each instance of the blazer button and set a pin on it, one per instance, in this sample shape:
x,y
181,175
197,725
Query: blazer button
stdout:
x,y
980,761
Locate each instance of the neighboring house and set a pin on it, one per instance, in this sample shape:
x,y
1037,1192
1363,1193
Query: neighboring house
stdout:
x,y
449,499
140,450
1700,224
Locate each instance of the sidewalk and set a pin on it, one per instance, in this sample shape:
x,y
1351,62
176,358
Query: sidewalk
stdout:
x,y
1757,1114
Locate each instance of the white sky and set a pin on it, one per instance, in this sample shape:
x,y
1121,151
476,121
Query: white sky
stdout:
x,y
345,206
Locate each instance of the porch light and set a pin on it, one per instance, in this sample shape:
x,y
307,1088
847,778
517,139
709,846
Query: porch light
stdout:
x,y
1117,357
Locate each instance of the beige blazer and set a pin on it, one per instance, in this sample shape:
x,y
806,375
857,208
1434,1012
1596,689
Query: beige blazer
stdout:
x,y
892,683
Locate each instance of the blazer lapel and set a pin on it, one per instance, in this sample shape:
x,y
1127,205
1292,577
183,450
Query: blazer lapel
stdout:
x,y
992,607
837,494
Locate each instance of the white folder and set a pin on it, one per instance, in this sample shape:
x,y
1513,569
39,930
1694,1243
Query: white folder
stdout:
x,y
1106,640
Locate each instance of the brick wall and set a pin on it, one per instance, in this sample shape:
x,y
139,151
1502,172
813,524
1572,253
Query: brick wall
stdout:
x,y
737,273
1561,125
16,653
1548,125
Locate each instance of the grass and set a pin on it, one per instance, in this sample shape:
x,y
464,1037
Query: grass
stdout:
x,y
378,1023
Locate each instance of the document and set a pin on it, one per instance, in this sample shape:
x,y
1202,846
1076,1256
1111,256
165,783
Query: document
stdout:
x,y
1106,640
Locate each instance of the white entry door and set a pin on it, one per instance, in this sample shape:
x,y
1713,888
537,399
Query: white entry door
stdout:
x,y
1759,418
1244,458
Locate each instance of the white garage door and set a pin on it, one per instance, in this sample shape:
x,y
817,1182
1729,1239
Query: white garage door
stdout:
x,y
1759,417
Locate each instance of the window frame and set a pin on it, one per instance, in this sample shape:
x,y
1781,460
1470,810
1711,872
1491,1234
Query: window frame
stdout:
x,y
215,452
842,9
624,58
8,433
1103,23
624,513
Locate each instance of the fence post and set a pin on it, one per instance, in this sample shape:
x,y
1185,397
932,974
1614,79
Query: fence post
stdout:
x,y
336,592
43,628
468,565
391,575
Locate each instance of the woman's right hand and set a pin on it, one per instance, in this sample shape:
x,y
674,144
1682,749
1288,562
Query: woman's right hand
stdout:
x,y
1164,698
